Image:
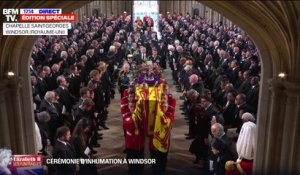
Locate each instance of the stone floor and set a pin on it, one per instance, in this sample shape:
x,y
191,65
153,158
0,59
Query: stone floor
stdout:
x,y
112,145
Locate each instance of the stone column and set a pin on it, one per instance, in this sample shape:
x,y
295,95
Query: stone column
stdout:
x,y
189,7
281,153
5,140
15,117
175,7
162,7
290,129
272,137
182,8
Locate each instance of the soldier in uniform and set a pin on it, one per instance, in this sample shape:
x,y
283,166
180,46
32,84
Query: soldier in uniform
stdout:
x,y
124,78
132,64
155,58
134,143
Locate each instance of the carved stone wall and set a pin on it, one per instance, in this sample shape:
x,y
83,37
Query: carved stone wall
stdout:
x,y
106,8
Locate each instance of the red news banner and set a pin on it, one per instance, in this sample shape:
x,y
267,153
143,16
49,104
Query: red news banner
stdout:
x,y
47,17
26,160
47,21
26,165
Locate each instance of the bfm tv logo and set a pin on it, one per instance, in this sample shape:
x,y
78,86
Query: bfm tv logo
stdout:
x,y
11,15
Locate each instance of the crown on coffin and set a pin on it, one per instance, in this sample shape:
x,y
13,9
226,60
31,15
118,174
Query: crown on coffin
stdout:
x,y
149,74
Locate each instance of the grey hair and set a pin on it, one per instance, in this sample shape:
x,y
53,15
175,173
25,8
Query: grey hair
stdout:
x,y
54,66
188,67
117,44
219,127
63,53
48,94
112,48
216,43
5,155
196,43
88,51
248,117
43,116
192,92
179,48
171,47
59,78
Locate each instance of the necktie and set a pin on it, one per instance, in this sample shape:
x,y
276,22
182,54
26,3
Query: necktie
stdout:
x,y
52,105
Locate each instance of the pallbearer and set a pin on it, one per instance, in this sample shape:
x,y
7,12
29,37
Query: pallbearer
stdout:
x,y
134,143
160,141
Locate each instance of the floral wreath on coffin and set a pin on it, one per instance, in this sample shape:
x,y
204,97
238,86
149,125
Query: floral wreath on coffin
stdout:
x,y
148,74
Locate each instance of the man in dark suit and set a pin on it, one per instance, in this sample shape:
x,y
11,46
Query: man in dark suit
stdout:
x,y
252,95
245,61
170,35
209,109
97,84
229,109
41,83
47,105
120,53
35,93
108,86
236,54
245,86
196,84
32,68
224,60
204,113
91,62
162,51
51,78
234,72
192,104
199,59
184,80
111,58
203,126
63,150
141,56
254,67
85,93
217,131
241,107
173,61
85,110
75,82
215,54
63,92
